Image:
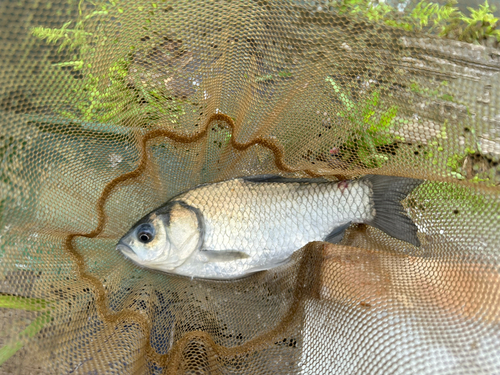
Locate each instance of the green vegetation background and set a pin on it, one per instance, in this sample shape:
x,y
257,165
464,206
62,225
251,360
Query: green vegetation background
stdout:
x,y
106,97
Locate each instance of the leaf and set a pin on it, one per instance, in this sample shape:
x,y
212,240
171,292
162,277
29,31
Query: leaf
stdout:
x,y
27,304
35,326
22,303
387,117
51,35
364,156
96,13
77,65
343,97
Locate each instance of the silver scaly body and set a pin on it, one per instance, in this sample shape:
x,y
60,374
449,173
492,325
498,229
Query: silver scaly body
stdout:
x,y
237,227
269,221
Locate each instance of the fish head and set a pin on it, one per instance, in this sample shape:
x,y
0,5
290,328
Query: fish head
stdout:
x,y
146,241
164,239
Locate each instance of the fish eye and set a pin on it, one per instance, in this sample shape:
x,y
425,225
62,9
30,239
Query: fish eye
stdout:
x,y
145,233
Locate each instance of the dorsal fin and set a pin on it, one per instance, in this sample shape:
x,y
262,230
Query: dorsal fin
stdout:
x,y
267,178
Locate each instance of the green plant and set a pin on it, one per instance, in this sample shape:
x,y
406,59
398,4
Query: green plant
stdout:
x,y
118,102
480,25
425,16
269,77
370,124
366,8
469,164
75,38
461,199
113,95
444,20
26,304
472,166
436,93
455,163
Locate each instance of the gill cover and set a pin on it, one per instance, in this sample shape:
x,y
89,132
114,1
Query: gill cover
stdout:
x,y
184,230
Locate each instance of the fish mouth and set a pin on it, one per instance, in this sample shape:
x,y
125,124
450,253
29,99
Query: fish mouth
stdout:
x,y
125,250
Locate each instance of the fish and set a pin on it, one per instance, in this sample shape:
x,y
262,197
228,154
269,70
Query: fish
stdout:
x,y
234,228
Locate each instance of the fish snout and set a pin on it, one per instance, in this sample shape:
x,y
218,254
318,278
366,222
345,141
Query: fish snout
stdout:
x,y
124,249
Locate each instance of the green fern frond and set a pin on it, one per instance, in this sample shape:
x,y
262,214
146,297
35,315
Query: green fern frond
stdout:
x,y
479,26
77,65
425,14
72,38
484,14
422,12
51,35
96,13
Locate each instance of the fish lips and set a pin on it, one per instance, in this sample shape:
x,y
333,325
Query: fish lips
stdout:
x,y
125,250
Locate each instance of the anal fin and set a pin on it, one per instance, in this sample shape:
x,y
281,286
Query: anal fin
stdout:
x,y
337,234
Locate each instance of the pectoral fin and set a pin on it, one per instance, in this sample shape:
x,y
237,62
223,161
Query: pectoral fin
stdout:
x,y
266,267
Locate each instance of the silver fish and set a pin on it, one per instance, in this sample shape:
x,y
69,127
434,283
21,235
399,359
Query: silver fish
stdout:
x,y
237,227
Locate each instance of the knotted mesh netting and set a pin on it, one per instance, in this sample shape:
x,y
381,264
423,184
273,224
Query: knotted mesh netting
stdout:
x,y
108,108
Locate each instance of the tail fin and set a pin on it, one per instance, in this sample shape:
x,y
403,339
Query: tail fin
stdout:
x,y
390,217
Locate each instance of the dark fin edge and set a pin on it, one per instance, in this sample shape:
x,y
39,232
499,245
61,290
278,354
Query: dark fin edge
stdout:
x,y
390,216
337,234
277,178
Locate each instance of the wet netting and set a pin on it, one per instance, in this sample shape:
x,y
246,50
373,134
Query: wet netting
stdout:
x,y
108,108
